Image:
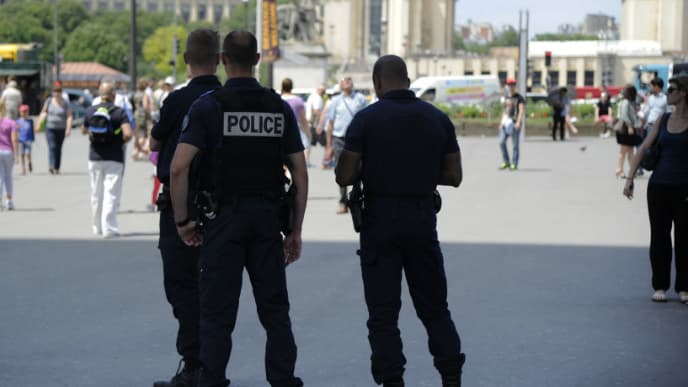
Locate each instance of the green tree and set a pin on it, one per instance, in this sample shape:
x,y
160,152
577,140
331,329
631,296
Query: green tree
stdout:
x,y
157,49
458,42
507,38
92,42
564,37
31,21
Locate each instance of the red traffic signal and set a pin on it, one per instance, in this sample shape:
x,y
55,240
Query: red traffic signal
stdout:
x,y
548,58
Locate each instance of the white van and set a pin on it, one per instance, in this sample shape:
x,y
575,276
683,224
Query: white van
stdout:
x,y
463,90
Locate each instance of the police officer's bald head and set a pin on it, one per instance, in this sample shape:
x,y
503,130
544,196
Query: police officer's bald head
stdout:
x,y
389,73
240,49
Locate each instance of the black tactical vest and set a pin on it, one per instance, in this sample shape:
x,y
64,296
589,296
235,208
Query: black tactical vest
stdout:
x,y
250,159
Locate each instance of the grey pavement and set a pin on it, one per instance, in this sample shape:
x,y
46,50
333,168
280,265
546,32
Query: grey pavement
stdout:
x,y
549,282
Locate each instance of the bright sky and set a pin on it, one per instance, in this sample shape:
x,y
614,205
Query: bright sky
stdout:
x,y
545,15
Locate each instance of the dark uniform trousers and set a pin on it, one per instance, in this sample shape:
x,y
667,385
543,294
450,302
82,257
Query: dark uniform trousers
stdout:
x,y
400,235
180,272
246,235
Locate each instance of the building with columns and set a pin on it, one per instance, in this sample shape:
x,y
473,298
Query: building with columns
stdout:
x,y
663,21
360,30
189,10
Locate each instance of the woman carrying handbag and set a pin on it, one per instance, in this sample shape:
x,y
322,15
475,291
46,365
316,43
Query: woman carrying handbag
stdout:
x,y
626,128
667,193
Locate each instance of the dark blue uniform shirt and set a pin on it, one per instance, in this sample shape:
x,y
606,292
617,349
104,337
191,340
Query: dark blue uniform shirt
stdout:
x,y
112,151
204,121
403,141
171,116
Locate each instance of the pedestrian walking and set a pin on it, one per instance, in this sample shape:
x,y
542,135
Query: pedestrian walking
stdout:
x,y
515,108
57,116
314,109
26,137
142,109
12,97
399,223
603,115
245,133
179,261
559,101
8,155
653,108
626,128
667,193
108,129
299,110
339,115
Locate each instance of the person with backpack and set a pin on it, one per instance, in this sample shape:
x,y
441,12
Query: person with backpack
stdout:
x,y
108,129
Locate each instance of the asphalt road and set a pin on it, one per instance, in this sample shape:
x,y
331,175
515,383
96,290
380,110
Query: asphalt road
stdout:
x,y
548,274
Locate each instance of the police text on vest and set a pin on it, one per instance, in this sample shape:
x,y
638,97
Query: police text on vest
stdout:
x,y
253,124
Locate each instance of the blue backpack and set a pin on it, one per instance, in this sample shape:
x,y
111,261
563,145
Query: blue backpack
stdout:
x,y
100,129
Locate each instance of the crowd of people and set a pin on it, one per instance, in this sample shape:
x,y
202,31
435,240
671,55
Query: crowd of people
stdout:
x,y
241,222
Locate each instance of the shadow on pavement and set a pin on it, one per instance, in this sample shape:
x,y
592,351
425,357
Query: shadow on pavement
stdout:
x,y
92,312
34,210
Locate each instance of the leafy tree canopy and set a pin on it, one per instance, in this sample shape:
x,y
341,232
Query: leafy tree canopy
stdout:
x,y
92,42
564,37
157,49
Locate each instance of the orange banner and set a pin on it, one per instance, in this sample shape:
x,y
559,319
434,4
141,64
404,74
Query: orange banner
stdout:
x,y
270,45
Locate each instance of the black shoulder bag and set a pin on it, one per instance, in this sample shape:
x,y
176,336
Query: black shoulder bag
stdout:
x,y
651,155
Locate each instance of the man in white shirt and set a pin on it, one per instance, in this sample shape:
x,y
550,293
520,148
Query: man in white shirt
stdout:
x,y
339,115
12,98
653,109
314,108
656,104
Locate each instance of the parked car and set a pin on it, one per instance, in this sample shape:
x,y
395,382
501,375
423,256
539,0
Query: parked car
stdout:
x,y
79,101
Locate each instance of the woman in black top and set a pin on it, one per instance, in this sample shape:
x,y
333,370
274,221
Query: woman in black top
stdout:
x,y
603,114
667,193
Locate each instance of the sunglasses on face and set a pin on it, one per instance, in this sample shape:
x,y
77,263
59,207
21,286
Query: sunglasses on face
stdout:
x,y
671,89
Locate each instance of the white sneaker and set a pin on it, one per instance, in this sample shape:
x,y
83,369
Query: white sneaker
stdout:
x,y
659,296
110,234
10,205
683,297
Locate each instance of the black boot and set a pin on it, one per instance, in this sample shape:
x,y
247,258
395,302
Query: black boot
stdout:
x,y
393,383
185,377
454,381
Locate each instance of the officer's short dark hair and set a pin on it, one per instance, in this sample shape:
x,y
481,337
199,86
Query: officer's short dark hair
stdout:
x,y
659,82
202,46
287,85
240,48
390,69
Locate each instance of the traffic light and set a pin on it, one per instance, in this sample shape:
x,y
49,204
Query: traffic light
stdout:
x,y
176,44
548,58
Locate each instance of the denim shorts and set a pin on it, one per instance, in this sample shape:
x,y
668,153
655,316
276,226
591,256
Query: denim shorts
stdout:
x,y
25,147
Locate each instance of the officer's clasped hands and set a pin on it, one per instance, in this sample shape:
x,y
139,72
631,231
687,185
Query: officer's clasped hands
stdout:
x,y
190,234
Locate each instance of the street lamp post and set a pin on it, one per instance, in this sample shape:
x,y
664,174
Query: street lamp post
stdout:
x,y
56,54
245,14
132,48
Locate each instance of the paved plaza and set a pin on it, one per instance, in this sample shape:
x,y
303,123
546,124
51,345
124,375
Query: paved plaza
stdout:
x,y
548,269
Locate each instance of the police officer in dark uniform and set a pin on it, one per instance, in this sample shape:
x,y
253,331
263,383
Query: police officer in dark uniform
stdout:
x,y
245,134
399,229
180,262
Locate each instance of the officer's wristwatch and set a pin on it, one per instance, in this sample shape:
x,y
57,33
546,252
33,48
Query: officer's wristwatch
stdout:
x,y
184,222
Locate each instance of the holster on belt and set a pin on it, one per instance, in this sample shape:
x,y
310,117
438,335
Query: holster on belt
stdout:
x,y
288,210
356,206
164,201
437,201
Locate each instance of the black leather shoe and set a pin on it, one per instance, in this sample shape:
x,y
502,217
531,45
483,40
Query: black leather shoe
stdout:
x,y
185,377
451,381
393,383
